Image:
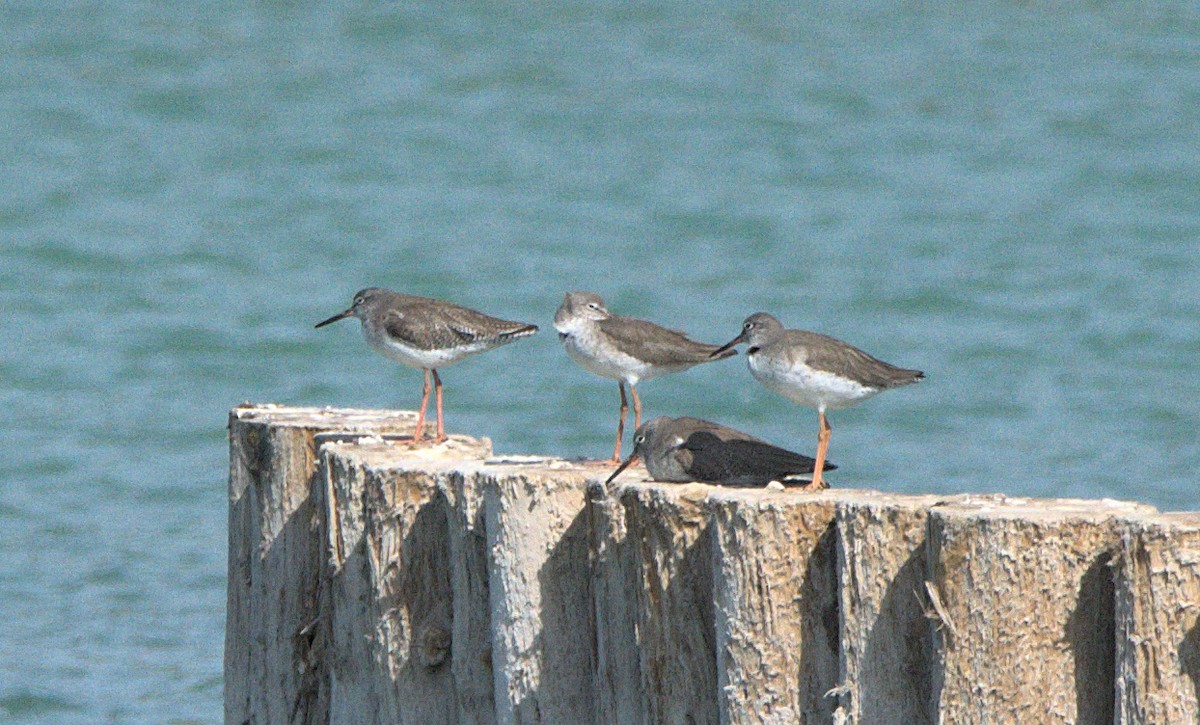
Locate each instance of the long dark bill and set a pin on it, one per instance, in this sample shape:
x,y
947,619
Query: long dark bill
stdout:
x,y
335,318
732,343
620,468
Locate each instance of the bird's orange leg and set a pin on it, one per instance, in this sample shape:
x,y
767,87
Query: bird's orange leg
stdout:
x,y
822,447
620,423
420,432
441,429
637,408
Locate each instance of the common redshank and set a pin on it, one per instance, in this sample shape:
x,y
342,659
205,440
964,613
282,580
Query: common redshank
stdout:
x,y
625,349
428,334
691,449
814,370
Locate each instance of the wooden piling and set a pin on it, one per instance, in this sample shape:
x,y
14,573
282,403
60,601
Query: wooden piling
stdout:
x,y
886,638
275,668
1158,620
388,585
669,528
1023,597
374,582
775,604
540,595
615,574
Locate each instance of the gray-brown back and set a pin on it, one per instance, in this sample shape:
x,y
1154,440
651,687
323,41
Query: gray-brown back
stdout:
x,y
655,344
430,324
830,354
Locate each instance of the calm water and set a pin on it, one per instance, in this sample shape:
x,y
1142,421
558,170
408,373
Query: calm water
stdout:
x,y
1006,197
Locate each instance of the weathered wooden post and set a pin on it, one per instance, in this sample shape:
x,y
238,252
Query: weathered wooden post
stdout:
x,y
471,630
458,589
274,657
389,586
776,604
615,574
669,528
371,581
540,593
886,654
1158,620
1024,599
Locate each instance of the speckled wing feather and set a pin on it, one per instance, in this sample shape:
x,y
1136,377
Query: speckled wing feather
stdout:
x,y
740,461
655,344
827,353
431,324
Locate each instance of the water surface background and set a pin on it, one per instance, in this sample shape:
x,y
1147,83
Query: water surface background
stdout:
x,y
1005,195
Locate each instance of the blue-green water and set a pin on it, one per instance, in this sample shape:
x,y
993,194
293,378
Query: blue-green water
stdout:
x,y
1006,196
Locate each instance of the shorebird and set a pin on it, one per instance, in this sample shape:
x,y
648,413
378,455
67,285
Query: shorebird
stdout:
x,y
429,334
625,349
814,370
691,449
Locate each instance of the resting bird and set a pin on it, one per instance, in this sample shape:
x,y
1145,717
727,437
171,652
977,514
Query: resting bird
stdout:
x,y
691,449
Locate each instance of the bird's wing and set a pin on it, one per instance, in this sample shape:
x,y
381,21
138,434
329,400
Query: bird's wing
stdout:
x,y
428,326
742,462
827,353
653,343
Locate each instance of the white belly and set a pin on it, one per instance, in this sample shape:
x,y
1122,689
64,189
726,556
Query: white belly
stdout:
x,y
417,358
801,384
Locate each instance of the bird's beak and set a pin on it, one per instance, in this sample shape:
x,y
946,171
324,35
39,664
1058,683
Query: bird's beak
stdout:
x,y
335,318
735,341
621,467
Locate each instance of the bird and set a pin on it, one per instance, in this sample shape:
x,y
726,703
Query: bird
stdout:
x,y
428,334
693,449
625,349
814,370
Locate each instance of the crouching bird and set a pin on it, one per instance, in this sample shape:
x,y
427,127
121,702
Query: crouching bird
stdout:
x,y
692,449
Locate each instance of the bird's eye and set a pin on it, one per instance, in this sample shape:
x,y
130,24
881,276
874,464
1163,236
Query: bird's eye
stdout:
x,y
748,326
593,305
639,439
358,301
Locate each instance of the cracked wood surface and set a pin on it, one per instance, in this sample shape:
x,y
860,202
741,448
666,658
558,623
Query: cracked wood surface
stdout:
x,y
371,581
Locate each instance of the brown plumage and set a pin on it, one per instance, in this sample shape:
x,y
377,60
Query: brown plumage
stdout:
x,y
625,349
815,370
429,324
829,354
428,334
693,449
657,345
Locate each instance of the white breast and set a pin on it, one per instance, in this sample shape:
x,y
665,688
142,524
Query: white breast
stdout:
x,y
598,355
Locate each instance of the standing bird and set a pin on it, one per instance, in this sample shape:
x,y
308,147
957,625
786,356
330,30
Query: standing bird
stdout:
x,y
691,449
625,349
429,334
814,370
